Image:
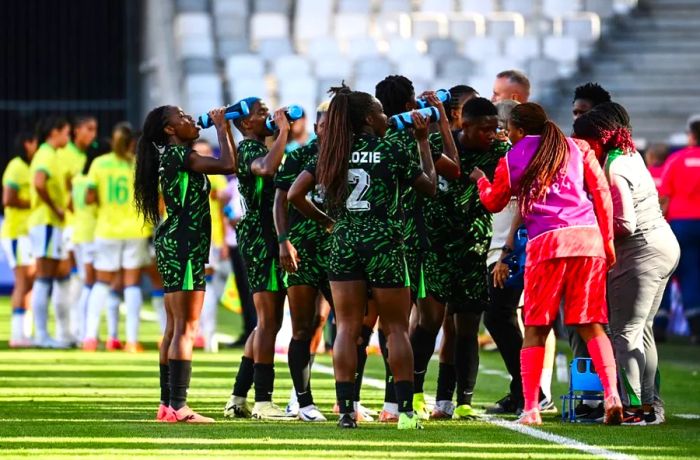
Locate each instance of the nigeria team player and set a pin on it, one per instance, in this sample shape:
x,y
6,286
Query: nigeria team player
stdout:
x,y
166,162
397,95
256,235
303,245
460,231
364,177
15,238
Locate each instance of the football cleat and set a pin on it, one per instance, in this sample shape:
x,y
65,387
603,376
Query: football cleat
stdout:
x,y
267,410
311,414
187,415
113,345
530,417
443,410
165,414
613,410
409,422
420,408
237,407
388,417
464,412
133,347
90,345
347,421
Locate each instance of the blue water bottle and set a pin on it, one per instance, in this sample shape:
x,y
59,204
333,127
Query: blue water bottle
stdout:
x,y
404,120
293,113
442,94
232,113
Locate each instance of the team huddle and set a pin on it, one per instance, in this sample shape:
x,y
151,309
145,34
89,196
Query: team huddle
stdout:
x,y
408,228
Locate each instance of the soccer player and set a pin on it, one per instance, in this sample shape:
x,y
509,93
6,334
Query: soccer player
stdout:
x,y
15,238
165,160
121,237
647,251
303,247
364,177
256,236
587,97
83,235
397,95
46,222
570,248
447,379
73,157
460,230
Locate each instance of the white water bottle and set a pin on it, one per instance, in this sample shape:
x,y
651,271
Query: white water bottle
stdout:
x,y
562,368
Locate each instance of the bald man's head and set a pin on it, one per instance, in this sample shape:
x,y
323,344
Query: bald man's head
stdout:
x,y
511,84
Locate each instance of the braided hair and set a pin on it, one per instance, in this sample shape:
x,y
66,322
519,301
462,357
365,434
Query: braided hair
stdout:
x,y
548,162
394,92
152,142
608,124
347,113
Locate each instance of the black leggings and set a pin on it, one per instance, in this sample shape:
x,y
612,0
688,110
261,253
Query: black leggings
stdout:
x,y
250,318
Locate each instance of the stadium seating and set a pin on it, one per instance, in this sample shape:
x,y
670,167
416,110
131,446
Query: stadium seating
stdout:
x,y
275,48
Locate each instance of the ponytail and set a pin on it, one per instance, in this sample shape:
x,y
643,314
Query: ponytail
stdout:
x,y
152,143
122,137
335,150
607,124
550,160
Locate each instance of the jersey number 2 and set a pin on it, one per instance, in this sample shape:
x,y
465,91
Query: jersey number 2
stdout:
x,y
360,179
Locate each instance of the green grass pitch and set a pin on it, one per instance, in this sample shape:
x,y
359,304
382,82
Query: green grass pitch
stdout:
x,y
69,404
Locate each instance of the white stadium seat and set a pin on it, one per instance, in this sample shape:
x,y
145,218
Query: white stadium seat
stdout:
x,y
522,48
233,7
323,47
440,48
482,48
463,26
504,25
331,68
377,66
561,49
189,24
437,6
585,26
395,6
429,25
291,66
554,8
268,25
455,67
194,46
351,25
313,19
245,65
403,48
478,6
243,87
392,25
420,68
272,6
272,48
361,48
355,6
527,8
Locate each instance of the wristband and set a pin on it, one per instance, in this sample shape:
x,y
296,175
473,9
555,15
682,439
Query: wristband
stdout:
x,y
283,237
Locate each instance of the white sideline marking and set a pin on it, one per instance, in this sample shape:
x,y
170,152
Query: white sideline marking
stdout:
x,y
688,416
522,429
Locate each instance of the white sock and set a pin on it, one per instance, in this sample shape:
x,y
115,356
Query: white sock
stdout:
x,y
60,298
392,408
17,324
133,299
40,307
75,292
158,302
207,323
113,302
546,382
96,302
81,312
293,397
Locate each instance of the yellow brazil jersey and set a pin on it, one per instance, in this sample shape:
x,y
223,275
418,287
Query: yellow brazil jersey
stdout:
x,y
117,219
218,183
84,215
73,160
46,160
16,176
